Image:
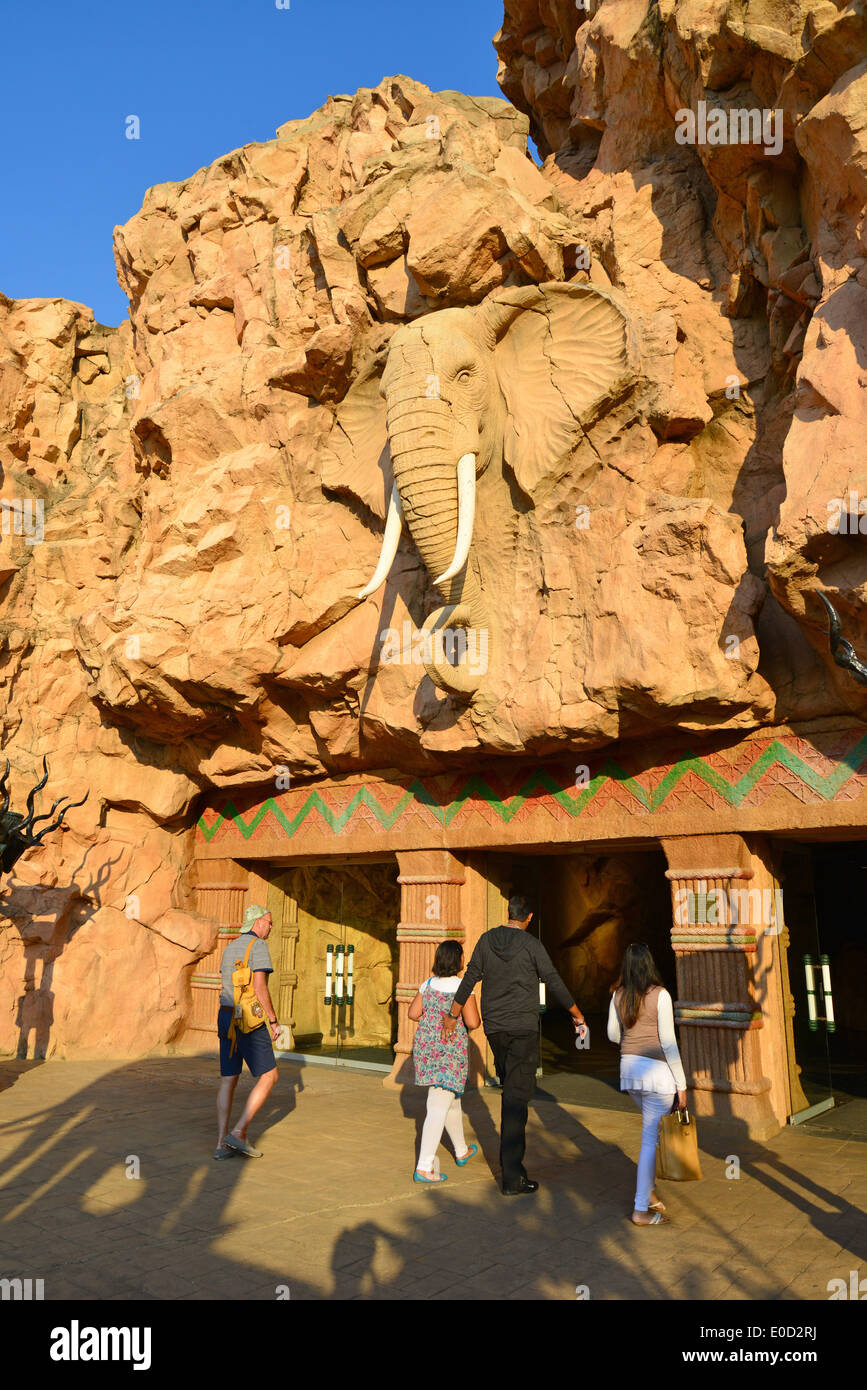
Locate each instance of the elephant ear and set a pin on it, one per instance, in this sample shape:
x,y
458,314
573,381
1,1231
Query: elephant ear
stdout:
x,y
563,354
356,460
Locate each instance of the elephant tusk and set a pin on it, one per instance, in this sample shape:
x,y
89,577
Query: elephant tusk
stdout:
x,y
466,516
390,542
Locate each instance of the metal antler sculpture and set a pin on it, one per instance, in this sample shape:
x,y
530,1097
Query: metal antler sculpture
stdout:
x,y
842,651
16,831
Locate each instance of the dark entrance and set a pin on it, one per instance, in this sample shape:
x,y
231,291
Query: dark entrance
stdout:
x,y
823,887
588,908
336,932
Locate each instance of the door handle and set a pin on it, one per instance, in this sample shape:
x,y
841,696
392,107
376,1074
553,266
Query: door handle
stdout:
x,y
350,974
814,1018
338,977
830,1021
329,972
812,1011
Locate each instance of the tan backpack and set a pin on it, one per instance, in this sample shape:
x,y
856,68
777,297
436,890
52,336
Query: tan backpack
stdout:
x,y
247,1012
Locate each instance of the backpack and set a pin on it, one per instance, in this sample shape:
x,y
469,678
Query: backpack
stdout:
x,y
247,1012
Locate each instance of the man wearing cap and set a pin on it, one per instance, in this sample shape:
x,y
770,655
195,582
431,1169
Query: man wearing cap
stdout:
x,y
253,1048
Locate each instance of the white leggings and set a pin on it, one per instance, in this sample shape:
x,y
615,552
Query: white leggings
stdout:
x,y
653,1105
443,1112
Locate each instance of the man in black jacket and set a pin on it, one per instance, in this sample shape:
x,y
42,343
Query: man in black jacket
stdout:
x,y
510,965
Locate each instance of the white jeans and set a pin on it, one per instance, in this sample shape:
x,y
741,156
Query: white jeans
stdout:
x,y
443,1112
653,1105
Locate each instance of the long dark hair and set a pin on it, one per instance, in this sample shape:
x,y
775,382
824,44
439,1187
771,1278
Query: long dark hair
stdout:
x,y
447,960
639,974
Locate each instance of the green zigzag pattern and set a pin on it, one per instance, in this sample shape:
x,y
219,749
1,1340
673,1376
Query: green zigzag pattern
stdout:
x,y
476,787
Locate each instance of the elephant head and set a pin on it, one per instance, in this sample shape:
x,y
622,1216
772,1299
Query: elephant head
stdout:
x,y
515,380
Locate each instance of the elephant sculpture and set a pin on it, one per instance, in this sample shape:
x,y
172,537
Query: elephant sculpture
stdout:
x,y
515,381
17,831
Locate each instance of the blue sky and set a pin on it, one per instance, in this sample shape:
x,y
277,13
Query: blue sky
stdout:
x,y
203,76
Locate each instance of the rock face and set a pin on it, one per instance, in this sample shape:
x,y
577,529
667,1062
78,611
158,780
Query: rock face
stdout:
x,y
748,250
214,476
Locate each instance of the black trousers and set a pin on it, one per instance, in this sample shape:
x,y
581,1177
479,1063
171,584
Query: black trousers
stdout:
x,y
516,1057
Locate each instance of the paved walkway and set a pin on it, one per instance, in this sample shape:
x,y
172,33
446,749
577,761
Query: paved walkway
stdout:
x,y
331,1211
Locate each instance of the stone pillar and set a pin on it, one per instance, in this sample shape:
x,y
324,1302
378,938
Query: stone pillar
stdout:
x,y
475,916
430,911
221,887
728,989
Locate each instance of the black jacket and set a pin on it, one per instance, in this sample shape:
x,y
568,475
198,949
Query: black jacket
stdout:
x,y
510,964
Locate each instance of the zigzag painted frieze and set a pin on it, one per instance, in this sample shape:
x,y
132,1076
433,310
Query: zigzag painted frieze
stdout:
x,y
819,769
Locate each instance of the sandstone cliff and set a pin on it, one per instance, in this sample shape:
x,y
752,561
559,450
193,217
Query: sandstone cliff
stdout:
x,y
211,477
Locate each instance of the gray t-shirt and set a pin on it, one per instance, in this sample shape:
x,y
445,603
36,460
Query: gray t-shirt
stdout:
x,y
260,959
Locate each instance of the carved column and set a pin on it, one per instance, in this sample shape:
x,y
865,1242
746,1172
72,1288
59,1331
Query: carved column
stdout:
x,y
221,887
430,911
726,992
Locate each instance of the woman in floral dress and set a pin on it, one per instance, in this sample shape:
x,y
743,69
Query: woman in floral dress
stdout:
x,y
442,1066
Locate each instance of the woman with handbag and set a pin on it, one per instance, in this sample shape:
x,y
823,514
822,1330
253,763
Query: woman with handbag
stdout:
x,y
441,1063
641,1020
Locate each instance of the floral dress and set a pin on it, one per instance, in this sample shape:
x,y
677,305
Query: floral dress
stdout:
x,y
438,1063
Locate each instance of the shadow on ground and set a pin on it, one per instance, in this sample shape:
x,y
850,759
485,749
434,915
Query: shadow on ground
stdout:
x,y
333,1205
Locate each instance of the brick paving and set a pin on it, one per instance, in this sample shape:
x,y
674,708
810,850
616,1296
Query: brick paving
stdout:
x,y
331,1211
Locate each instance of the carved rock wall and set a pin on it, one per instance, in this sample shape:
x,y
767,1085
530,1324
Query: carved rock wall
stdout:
x,y
762,245
213,478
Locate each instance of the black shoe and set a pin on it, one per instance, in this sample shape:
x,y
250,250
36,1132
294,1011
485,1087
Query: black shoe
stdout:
x,y
525,1185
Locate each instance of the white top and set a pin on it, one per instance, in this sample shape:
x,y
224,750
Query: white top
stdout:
x,y
647,1073
444,984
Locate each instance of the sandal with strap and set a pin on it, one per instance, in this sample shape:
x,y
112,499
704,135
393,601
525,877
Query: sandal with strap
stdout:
x,y
657,1219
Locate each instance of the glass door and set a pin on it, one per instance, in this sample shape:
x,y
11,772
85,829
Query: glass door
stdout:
x,y
838,972
346,963
329,955
811,988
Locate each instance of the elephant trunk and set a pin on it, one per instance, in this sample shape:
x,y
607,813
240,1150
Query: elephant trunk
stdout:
x,y
427,474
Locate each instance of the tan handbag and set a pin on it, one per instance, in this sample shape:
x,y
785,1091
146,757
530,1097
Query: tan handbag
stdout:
x,y
677,1148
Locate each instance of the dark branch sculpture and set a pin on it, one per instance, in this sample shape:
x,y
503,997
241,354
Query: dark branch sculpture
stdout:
x,y
16,831
842,651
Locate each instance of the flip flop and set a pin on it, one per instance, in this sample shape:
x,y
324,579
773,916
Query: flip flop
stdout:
x,y
242,1147
470,1153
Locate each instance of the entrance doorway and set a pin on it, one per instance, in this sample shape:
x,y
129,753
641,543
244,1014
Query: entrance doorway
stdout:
x,y
588,908
823,887
339,999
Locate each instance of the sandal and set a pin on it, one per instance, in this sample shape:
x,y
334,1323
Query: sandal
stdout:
x,y
435,1174
240,1146
657,1219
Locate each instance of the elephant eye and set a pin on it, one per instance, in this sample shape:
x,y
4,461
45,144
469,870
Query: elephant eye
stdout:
x,y
464,375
